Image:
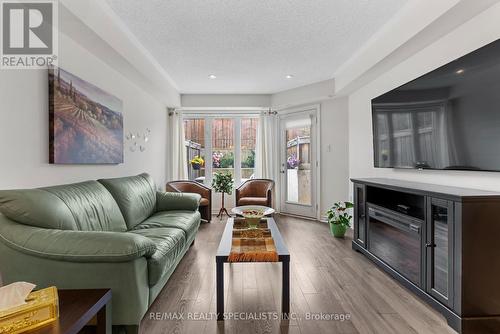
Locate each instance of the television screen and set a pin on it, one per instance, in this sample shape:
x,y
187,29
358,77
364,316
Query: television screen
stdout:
x,y
447,119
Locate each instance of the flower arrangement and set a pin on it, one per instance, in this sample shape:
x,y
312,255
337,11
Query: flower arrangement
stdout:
x,y
339,218
292,161
216,158
197,162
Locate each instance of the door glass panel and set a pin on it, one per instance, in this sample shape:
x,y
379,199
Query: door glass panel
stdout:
x,y
298,161
248,140
194,132
223,146
440,251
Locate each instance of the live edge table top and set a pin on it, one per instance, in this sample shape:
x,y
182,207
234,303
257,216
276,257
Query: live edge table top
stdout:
x,y
227,235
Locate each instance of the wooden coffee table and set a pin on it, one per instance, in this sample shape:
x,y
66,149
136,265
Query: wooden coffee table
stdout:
x,y
76,309
222,257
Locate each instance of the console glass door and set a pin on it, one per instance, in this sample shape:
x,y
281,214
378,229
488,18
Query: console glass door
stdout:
x,y
359,214
440,250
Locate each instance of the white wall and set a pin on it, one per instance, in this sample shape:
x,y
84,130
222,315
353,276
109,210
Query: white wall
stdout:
x,y
24,123
225,100
304,95
480,30
334,152
94,24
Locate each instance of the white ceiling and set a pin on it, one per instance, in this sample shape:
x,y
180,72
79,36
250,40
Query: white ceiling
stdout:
x,y
251,45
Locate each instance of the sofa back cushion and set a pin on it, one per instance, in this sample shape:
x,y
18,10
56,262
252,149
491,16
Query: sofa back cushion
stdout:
x,y
85,206
135,195
37,208
91,205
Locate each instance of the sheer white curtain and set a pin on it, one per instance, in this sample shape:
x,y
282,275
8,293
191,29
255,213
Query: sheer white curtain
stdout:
x,y
177,147
265,155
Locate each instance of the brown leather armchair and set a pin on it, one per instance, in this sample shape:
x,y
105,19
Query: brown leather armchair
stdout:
x,y
197,188
255,192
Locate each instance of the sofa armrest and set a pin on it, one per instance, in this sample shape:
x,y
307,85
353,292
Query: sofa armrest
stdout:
x,y
168,201
75,246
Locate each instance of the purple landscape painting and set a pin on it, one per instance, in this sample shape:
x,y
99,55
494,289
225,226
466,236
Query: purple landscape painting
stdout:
x,y
86,123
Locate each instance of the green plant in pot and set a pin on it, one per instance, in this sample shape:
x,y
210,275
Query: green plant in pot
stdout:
x,y
339,218
223,183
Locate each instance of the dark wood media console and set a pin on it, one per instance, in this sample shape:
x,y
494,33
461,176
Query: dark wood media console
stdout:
x,y
442,243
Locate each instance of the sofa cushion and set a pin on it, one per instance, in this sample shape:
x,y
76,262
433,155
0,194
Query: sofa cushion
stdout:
x,y
187,221
85,206
91,205
74,246
37,208
253,201
135,195
170,243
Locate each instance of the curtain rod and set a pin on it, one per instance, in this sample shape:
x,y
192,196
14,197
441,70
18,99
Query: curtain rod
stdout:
x,y
222,110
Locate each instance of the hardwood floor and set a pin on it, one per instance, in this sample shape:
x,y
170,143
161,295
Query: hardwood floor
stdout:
x,y
327,277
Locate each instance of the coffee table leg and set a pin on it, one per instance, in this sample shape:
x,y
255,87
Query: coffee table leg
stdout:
x,y
285,293
220,290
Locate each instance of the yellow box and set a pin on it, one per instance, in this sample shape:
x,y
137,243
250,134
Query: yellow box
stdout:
x,y
42,308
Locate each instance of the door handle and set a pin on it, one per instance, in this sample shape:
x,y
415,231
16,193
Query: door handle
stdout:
x,y
282,171
430,245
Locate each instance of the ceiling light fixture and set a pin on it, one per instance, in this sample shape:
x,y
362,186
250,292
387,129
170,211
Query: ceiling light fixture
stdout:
x,y
212,76
289,76
460,71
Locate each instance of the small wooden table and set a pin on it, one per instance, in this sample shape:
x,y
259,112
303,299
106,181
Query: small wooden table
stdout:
x,y
76,309
222,257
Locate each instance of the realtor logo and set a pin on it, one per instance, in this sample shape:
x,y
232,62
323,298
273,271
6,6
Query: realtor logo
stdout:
x,y
29,34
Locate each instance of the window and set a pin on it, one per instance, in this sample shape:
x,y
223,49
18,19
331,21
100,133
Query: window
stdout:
x,y
298,154
225,144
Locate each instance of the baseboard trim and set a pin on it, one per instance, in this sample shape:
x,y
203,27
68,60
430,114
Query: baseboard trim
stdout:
x,y
298,216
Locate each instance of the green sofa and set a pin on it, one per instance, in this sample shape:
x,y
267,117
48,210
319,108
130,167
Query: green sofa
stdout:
x,y
112,233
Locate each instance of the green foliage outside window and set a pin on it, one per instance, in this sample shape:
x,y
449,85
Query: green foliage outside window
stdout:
x,y
227,160
249,161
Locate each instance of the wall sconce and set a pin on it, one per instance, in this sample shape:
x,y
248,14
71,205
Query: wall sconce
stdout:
x,y
138,141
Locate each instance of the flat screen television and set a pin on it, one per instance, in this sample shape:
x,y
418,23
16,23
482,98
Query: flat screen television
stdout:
x,y
446,119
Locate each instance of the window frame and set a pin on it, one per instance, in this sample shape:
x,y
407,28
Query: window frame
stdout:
x,y
209,117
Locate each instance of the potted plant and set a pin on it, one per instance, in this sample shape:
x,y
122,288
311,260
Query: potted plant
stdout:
x,y
339,218
197,162
223,183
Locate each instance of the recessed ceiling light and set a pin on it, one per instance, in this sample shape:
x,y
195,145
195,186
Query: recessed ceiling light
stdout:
x,y
289,76
460,71
212,76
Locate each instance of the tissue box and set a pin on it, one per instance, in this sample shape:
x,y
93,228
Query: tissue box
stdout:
x,y
42,308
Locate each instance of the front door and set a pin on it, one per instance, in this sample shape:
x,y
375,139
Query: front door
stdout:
x,y
298,163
